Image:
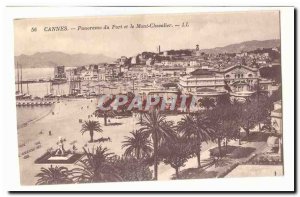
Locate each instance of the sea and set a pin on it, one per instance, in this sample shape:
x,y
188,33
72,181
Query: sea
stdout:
x,y
28,113
40,89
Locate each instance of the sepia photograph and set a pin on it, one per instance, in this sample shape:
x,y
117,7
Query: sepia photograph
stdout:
x,y
152,97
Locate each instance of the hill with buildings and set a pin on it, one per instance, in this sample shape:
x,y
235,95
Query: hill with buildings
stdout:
x,y
53,58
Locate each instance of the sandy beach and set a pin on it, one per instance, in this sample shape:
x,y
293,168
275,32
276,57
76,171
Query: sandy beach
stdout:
x,y
64,122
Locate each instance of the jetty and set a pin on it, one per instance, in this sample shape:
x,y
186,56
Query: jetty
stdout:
x,y
34,103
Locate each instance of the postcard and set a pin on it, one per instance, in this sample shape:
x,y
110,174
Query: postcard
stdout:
x,y
149,97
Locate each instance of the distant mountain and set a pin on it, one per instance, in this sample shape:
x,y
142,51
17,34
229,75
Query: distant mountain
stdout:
x,y
53,58
244,46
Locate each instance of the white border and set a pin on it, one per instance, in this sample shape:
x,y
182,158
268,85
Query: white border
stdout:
x,y
8,130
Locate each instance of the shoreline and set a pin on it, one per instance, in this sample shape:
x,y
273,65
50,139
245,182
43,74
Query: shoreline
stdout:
x,y
29,122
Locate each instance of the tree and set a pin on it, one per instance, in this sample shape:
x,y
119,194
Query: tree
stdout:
x,y
223,100
176,153
225,123
197,128
91,126
95,167
138,145
106,113
254,112
207,103
247,117
53,175
155,125
132,169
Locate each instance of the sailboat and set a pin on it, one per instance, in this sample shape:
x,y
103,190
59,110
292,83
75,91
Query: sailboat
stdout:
x,y
27,95
49,94
20,94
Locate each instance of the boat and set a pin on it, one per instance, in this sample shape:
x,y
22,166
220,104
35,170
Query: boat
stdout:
x,y
19,95
79,95
27,96
50,95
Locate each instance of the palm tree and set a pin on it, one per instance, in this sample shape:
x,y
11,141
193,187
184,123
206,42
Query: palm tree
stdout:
x,y
196,128
137,145
53,175
140,115
155,125
95,167
105,114
91,126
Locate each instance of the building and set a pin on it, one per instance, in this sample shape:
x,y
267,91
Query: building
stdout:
x,y
112,71
59,72
200,80
276,117
239,80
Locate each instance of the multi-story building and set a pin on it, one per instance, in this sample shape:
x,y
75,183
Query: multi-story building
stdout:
x,y
112,71
199,79
59,72
238,80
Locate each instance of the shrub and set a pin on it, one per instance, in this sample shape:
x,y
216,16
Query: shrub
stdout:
x,y
265,160
131,169
258,137
241,152
214,152
196,173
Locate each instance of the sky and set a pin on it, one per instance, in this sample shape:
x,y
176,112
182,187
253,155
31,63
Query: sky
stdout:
x,y
209,30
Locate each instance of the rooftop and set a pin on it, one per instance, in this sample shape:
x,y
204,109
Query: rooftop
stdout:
x,y
202,72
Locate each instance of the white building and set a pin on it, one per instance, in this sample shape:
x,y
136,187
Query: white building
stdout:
x,y
276,117
199,79
239,80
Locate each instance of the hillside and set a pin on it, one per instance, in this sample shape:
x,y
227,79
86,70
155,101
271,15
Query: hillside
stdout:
x,y
244,46
52,59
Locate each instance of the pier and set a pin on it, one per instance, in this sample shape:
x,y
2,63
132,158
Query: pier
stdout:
x,y
34,103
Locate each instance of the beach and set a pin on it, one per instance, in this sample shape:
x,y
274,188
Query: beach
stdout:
x,y
64,122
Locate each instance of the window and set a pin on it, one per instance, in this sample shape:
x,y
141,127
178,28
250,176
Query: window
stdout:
x,y
227,76
250,75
